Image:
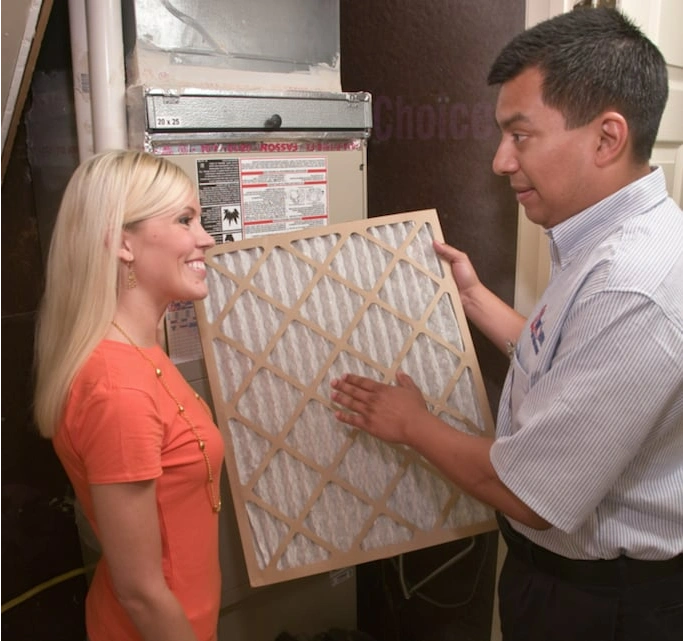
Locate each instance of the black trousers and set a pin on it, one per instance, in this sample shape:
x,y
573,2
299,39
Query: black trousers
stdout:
x,y
542,604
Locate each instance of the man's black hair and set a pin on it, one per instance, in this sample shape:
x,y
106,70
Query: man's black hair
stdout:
x,y
593,60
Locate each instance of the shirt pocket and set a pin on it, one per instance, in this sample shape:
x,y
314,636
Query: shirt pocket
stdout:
x,y
520,384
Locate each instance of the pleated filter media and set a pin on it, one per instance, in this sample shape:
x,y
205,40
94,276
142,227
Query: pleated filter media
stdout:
x,y
285,314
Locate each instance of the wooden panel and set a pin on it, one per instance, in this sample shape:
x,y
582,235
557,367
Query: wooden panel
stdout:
x,y
20,68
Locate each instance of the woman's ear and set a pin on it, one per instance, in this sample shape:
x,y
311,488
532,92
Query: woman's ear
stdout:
x,y
125,252
613,138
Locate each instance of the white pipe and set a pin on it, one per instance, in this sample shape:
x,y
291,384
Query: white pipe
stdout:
x,y
79,62
107,75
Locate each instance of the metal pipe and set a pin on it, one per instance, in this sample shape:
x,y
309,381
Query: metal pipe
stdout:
x,y
107,74
79,61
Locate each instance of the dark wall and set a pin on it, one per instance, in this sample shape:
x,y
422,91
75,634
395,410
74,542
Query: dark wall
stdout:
x,y
434,136
39,538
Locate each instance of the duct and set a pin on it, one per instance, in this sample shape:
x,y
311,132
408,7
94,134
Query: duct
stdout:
x,y
159,117
283,44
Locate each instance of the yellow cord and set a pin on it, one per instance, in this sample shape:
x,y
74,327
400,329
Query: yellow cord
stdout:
x,y
44,586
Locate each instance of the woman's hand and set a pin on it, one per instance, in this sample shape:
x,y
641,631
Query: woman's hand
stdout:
x,y
393,413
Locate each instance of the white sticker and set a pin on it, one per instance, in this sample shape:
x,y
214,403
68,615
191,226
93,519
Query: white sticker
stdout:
x,y
168,122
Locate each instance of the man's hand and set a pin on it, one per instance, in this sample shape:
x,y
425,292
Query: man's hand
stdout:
x,y
393,413
462,269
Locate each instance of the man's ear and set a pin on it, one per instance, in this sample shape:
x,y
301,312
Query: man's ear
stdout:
x,y
613,138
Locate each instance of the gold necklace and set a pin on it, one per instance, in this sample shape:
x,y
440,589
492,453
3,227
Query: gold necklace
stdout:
x,y
215,502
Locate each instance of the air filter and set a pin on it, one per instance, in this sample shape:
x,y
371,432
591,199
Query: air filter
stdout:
x,y
285,314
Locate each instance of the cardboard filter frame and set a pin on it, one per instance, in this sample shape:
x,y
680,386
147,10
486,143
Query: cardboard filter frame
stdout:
x,y
285,314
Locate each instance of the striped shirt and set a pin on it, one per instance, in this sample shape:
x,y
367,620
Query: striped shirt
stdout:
x,y
589,432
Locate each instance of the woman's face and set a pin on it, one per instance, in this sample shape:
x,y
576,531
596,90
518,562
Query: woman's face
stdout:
x,y
168,254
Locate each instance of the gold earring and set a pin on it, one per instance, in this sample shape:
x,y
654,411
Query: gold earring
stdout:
x,y
132,280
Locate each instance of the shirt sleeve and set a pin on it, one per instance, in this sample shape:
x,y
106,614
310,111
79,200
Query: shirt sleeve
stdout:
x,y
614,382
121,436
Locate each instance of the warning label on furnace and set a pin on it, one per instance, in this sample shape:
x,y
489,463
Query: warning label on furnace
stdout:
x,y
242,198
283,194
218,181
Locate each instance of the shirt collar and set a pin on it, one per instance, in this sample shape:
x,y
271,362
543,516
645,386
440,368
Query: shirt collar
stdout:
x,y
587,227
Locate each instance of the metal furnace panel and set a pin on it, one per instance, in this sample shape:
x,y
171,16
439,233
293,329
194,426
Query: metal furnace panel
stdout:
x,y
285,314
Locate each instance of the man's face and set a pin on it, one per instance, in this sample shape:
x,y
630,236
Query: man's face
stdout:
x,y
550,168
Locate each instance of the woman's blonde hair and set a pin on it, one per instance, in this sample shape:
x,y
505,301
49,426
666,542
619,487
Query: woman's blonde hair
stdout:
x,y
107,192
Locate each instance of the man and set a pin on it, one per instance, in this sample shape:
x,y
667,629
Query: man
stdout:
x,y
586,469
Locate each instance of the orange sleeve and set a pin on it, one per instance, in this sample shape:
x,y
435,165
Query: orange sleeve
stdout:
x,y
119,436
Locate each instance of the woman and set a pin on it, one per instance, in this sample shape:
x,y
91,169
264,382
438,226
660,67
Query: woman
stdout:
x,y
137,443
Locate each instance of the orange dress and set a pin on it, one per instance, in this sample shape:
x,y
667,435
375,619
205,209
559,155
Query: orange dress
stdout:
x,y
119,426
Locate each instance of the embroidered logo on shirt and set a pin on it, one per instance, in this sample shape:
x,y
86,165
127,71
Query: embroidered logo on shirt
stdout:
x,y
537,330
